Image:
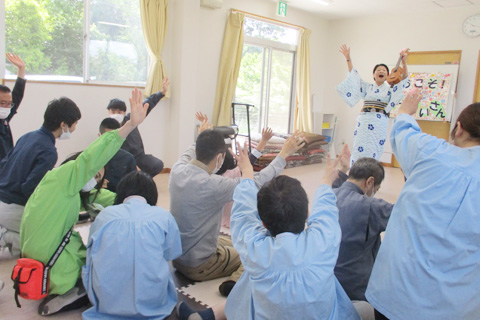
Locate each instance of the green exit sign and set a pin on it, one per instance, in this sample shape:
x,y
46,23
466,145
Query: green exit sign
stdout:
x,y
282,9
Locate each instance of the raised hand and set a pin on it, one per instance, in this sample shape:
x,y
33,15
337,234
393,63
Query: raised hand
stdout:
x,y
138,111
267,134
331,173
17,62
201,116
292,145
345,51
345,159
410,103
243,160
165,85
204,126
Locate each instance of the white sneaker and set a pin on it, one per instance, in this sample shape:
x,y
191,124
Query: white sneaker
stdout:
x,y
54,303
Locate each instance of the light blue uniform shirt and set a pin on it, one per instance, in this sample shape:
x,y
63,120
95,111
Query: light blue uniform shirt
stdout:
x,y
127,275
428,266
289,276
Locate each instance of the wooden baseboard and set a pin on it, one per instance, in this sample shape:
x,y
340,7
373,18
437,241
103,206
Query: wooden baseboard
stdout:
x,y
166,170
385,164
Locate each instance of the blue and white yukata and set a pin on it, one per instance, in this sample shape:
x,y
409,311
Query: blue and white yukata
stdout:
x,y
127,275
289,276
372,123
428,266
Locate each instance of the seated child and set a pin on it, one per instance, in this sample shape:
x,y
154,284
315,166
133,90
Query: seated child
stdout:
x,y
288,269
126,274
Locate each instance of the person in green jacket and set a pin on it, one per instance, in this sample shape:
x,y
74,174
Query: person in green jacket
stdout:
x,y
53,209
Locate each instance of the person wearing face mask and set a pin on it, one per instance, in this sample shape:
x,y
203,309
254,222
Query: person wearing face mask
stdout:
x,y
26,164
379,99
9,103
134,144
197,198
53,209
362,218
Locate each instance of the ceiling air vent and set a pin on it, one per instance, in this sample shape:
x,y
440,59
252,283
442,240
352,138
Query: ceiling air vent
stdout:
x,y
212,4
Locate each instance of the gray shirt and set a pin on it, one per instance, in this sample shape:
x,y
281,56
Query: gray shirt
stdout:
x,y
361,219
197,198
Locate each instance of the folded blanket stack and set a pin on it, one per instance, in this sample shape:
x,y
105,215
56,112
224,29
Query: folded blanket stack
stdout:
x,y
311,153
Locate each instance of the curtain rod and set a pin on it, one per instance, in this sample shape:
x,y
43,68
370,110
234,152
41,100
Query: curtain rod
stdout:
x,y
269,19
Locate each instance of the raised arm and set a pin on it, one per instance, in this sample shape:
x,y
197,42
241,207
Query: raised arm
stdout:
x,y
346,53
137,114
17,62
153,99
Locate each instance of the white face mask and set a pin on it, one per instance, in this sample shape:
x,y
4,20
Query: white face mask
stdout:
x,y
117,116
65,135
4,112
90,185
217,167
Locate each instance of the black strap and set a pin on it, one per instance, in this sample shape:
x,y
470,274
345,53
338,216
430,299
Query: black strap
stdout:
x,y
17,289
53,259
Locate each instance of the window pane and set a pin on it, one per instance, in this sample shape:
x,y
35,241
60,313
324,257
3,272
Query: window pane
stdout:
x,y
280,91
264,30
47,35
116,49
249,86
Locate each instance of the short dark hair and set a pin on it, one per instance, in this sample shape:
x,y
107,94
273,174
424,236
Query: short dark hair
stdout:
x,y
4,89
108,123
228,164
117,104
209,144
61,110
381,65
283,205
470,120
137,183
365,168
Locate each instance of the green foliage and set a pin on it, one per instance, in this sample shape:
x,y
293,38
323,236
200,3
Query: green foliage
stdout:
x,y
27,28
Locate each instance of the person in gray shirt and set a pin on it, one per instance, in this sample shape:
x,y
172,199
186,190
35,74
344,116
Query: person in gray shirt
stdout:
x,y
362,218
197,197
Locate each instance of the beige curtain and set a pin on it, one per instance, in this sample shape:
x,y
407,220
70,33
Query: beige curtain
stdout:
x,y
303,111
154,24
228,70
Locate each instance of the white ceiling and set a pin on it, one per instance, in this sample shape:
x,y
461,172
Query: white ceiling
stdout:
x,y
340,9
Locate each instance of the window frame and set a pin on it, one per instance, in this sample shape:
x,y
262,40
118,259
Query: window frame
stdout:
x,y
85,57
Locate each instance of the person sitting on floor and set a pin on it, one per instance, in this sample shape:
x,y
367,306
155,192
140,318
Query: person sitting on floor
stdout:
x,y
52,210
134,144
197,197
122,163
288,268
148,237
9,103
27,163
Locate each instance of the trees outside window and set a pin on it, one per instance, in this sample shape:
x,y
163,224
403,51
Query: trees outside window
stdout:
x,y
50,37
266,76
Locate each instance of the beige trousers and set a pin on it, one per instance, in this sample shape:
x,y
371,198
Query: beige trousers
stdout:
x,y
225,262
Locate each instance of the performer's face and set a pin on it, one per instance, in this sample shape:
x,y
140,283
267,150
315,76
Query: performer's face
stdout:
x,y
380,74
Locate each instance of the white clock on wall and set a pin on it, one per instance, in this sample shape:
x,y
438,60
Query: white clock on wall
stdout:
x,y
471,26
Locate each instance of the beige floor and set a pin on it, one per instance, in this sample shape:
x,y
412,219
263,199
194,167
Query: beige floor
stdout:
x,y
308,175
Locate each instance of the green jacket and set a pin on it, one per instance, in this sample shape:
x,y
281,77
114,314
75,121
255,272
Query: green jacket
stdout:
x,y
53,209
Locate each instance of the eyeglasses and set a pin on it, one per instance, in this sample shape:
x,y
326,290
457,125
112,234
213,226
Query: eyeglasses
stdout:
x,y
6,104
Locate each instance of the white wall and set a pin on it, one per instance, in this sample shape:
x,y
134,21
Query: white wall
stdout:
x,y
191,57
373,41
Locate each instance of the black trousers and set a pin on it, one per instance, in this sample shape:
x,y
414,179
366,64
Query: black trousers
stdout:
x,y
379,316
149,164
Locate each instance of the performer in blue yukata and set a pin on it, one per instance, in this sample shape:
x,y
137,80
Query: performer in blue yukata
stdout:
x,y
379,99
428,266
288,269
126,275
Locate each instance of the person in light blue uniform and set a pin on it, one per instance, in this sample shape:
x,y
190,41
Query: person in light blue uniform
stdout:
x,y
379,99
126,275
428,266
